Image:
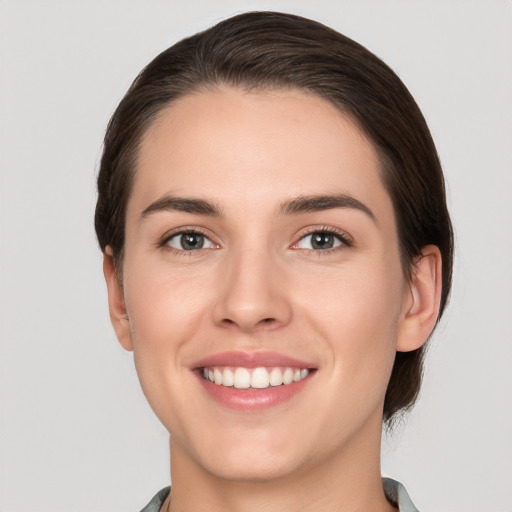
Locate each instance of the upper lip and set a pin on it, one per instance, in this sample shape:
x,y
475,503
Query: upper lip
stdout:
x,y
267,359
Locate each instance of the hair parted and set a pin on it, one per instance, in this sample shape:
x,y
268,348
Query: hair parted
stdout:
x,y
271,50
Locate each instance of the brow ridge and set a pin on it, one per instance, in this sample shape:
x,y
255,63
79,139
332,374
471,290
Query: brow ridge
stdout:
x,y
295,206
182,204
316,203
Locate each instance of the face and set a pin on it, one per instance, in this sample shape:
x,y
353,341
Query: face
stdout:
x,y
261,254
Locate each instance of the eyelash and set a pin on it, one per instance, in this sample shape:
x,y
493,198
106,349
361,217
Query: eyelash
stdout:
x,y
164,243
346,241
344,238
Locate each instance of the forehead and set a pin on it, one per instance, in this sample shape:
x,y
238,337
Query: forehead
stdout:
x,y
238,146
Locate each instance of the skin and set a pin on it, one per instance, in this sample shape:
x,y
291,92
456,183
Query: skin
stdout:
x,y
258,284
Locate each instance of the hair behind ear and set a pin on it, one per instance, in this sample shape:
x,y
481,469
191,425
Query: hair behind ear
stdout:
x,y
420,314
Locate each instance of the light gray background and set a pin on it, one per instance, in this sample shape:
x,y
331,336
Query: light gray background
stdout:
x,y
76,433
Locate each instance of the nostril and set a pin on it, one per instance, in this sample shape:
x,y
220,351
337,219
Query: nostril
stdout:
x,y
264,321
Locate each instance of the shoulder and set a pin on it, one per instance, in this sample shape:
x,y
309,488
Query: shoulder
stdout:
x,y
157,501
396,493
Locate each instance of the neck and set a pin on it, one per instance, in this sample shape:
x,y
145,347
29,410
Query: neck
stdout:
x,y
346,481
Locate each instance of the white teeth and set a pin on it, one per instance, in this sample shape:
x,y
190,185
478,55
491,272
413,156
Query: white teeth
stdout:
x,y
276,377
217,376
242,378
260,378
288,376
228,378
255,378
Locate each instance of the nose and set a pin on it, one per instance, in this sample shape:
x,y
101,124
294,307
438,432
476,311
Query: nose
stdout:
x,y
253,294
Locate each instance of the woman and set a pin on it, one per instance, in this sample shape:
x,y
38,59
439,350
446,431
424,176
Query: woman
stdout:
x,y
277,251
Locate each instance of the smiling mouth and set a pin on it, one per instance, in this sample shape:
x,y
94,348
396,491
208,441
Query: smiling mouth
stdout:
x,y
253,378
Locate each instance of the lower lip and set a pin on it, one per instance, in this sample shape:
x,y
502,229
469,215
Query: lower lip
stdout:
x,y
253,399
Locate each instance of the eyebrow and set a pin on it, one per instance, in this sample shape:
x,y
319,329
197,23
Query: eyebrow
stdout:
x,y
298,205
317,203
182,204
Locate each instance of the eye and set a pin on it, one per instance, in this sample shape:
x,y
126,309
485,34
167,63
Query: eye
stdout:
x,y
321,241
189,241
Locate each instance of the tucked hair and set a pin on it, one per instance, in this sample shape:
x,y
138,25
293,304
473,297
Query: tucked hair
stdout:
x,y
271,50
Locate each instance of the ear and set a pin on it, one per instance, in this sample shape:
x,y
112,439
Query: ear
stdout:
x,y
422,300
118,315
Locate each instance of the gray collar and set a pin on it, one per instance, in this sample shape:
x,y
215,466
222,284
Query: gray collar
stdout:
x,y
395,492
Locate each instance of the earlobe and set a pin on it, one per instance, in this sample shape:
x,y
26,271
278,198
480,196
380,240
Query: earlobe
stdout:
x,y
117,309
421,307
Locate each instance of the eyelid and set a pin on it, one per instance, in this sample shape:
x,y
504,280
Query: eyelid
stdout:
x,y
345,239
163,243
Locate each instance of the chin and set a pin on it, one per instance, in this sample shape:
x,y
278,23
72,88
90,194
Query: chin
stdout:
x,y
257,467
250,455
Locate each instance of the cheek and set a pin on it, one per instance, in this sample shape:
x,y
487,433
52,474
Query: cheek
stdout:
x,y
165,311
164,307
358,314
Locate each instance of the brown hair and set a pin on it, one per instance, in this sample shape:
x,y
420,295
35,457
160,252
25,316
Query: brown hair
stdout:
x,y
266,50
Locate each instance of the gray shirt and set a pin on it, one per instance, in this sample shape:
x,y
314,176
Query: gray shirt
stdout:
x,y
395,492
